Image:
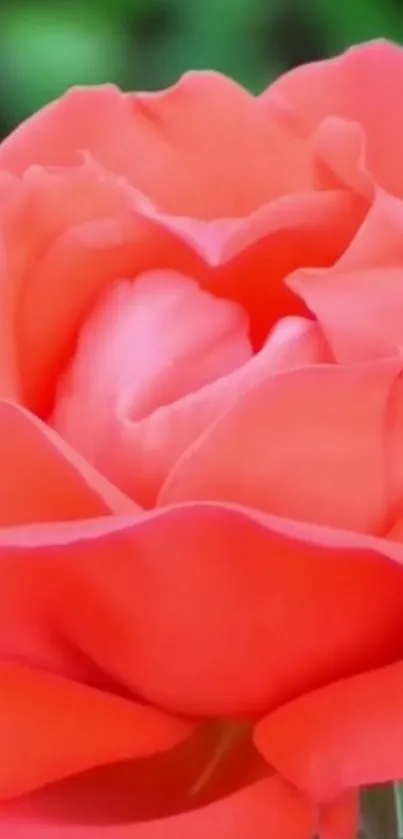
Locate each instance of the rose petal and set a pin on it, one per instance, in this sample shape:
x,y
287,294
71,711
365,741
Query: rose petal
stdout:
x,y
96,119
146,449
362,85
41,479
73,231
205,609
359,302
51,727
295,342
309,444
346,735
70,233
215,151
305,229
340,818
269,808
153,446
340,148
148,344
154,786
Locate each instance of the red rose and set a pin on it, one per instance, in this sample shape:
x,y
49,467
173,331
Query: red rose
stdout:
x,y
201,492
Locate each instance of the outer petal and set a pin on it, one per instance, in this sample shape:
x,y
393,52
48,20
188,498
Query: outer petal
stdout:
x,y
266,809
150,786
205,147
97,120
42,479
359,302
309,444
346,735
51,727
204,609
361,85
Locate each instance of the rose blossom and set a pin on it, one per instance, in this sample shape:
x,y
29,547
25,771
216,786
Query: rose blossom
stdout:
x,y
201,493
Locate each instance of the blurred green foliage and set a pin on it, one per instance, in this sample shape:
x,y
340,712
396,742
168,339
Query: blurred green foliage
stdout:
x,y
145,44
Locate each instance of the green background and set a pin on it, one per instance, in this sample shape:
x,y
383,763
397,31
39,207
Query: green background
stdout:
x,y
145,44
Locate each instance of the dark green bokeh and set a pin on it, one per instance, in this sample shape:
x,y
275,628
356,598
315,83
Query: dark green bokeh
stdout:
x,y
46,47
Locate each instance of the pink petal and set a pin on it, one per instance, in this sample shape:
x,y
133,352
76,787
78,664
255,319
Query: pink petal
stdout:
x,y
303,229
361,85
309,444
51,727
97,120
204,147
204,609
340,151
71,232
359,302
269,808
42,480
146,449
295,342
346,735
148,344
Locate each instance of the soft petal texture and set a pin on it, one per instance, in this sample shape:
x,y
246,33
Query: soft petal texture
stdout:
x,y
206,609
205,147
302,229
269,808
68,234
340,818
146,788
346,735
362,85
98,401
340,156
293,342
359,301
148,344
51,727
309,444
150,448
42,479
200,607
